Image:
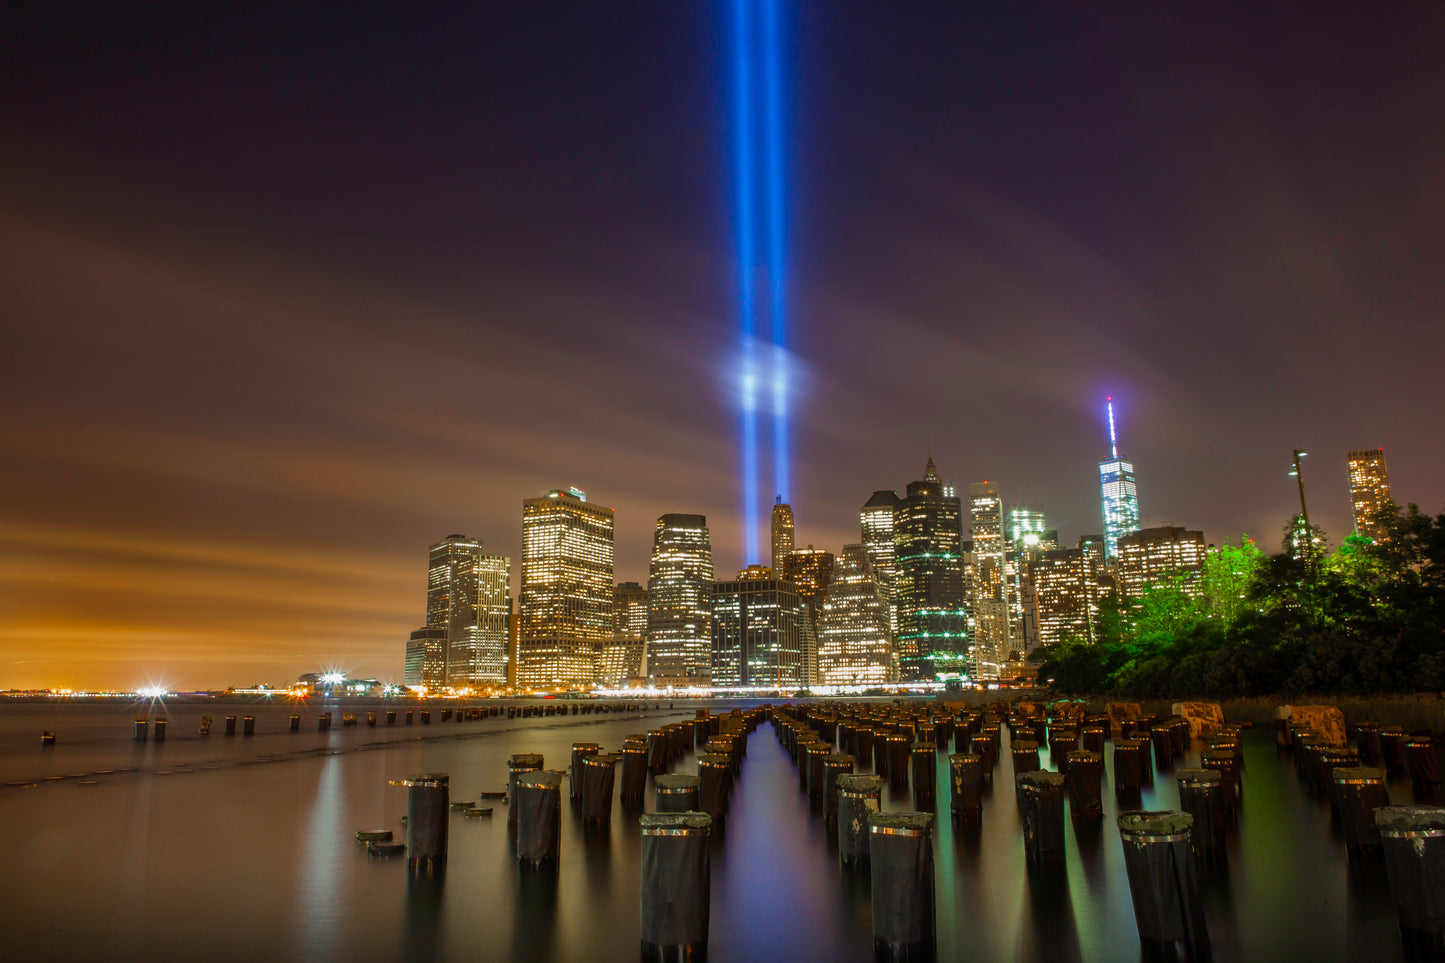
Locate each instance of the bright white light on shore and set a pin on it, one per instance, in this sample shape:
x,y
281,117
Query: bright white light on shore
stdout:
x,y
153,692
334,678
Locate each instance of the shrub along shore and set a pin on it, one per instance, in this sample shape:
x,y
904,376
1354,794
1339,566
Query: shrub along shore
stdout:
x,y
1364,620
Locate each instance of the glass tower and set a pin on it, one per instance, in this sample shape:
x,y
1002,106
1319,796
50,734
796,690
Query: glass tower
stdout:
x,y
1119,493
679,607
1028,529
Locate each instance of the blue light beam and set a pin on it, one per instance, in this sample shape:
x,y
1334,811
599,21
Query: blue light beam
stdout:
x,y
759,158
743,135
776,305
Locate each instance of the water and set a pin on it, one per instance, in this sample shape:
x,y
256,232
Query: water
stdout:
x,y
231,848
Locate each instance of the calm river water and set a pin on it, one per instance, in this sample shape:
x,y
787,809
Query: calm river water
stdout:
x,y
243,848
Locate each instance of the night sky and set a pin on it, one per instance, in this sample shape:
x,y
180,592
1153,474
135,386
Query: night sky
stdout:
x,y
288,297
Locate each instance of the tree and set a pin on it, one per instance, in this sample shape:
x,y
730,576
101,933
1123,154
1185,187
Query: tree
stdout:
x,y
1228,574
1369,617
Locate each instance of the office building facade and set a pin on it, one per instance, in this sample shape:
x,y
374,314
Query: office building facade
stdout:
x,y
809,570
932,615
875,523
1152,556
566,598
679,589
426,659
622,659
468,597
782,531
1369,490
855,640
757,631
990,584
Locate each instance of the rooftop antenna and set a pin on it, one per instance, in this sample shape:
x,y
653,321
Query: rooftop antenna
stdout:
x,y
1113,438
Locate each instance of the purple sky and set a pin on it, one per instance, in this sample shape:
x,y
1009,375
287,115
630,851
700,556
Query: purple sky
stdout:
x,y
287,298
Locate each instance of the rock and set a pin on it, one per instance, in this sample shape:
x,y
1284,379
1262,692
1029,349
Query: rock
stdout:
x,y
1121,714
1205,718
1410,819
1032,710
1069,711
1327,722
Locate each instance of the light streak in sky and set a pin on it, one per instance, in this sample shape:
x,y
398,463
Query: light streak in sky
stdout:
x,y
743,136
776,302
764,375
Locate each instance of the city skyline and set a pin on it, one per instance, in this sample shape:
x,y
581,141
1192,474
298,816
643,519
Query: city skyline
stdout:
x,y
278,321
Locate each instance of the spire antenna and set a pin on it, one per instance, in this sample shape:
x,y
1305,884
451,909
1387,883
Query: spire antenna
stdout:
x,y
1113,438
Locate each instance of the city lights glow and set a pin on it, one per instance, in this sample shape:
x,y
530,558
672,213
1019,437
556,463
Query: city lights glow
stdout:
x,y
757,38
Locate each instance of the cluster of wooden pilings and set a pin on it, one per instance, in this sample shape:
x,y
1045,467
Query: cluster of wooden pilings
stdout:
x,y
847,754
675,885
833,746
1409,840
144,726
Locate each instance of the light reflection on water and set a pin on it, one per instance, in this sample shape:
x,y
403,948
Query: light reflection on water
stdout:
x,y
257,858
320,862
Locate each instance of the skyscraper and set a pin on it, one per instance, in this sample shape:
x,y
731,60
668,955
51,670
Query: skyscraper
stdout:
x,y
1028,530
1099,581
679,588
875,520
478,653
1369,490
990,579
426,658
757,631
1152,555
1119,493
622,658
467,600
932,618
782,532
986,532
855,643
566,597
809,569
1061,584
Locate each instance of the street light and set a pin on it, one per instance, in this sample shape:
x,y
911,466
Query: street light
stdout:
x,y
1299,477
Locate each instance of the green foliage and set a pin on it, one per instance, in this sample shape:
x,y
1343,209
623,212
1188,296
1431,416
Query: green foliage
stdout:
x,y
1367,618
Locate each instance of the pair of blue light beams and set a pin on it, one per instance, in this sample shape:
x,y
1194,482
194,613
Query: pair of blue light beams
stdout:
x,y
756,38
